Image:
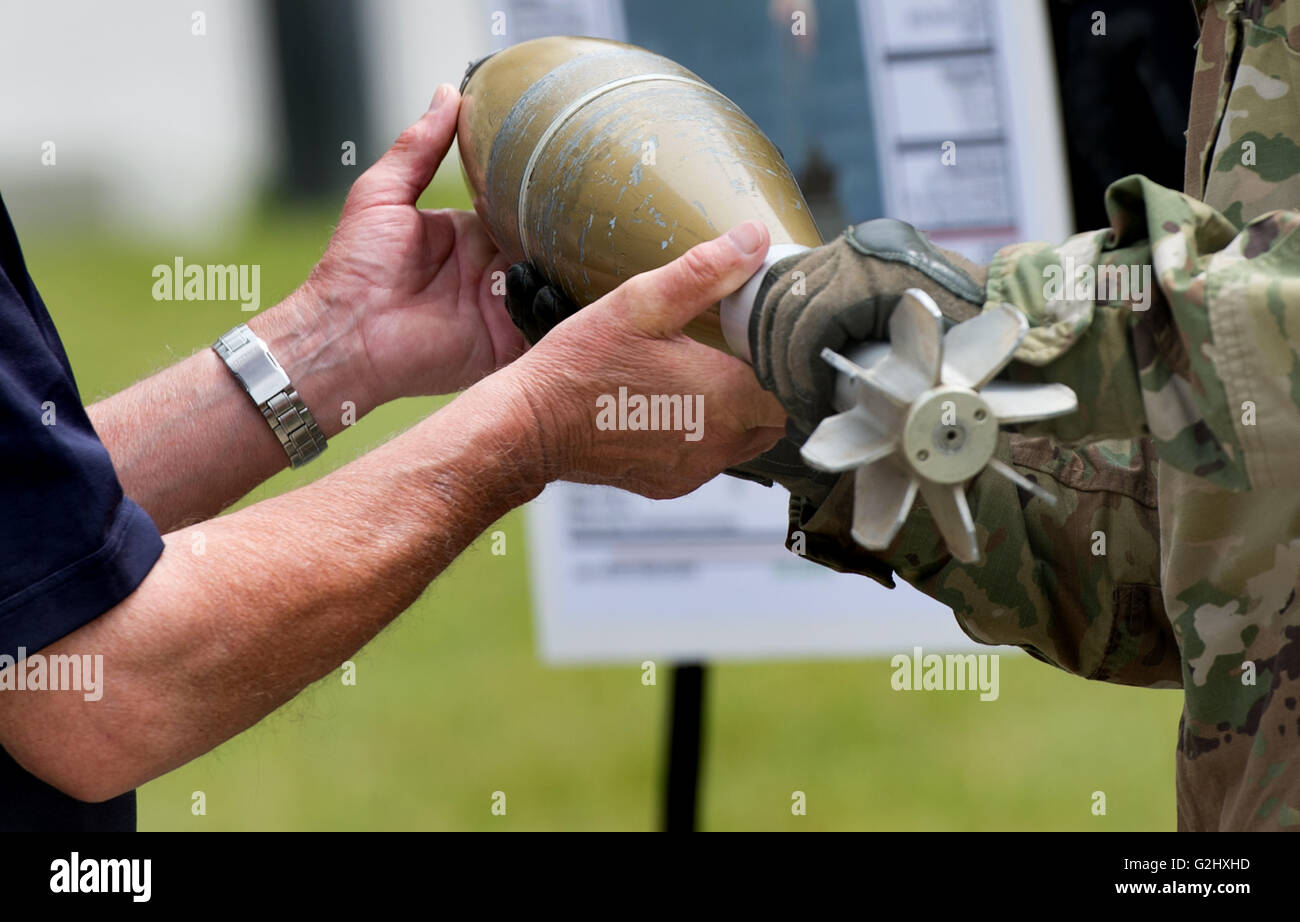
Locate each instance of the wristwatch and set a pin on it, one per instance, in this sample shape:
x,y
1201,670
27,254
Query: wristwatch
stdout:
x,y
252,363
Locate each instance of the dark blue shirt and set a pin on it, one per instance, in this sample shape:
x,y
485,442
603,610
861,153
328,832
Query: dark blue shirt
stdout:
x,y
71,544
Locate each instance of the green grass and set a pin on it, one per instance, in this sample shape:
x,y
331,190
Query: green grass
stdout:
x,y
451,704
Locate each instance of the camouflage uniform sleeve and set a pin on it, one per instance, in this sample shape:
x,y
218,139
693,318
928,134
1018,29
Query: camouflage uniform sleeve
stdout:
x,y
1173,327
1179,332
1173,323
1075,584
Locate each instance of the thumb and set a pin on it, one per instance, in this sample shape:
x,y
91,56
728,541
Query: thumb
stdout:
x,y
666,299
406,168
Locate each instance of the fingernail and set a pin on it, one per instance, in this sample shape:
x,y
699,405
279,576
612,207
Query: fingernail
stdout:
x,y
439,97
746,237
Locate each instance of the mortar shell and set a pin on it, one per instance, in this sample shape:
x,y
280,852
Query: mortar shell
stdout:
x,y
596,161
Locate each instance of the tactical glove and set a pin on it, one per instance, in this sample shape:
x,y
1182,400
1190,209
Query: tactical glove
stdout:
x,y
843,293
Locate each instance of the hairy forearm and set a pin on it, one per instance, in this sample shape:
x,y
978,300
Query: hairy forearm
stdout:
x,y
187,441
283,592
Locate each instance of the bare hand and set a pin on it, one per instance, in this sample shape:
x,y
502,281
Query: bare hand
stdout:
x,y
413,286
632,338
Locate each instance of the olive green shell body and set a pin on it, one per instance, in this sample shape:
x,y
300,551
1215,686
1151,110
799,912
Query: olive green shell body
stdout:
x,y
596,161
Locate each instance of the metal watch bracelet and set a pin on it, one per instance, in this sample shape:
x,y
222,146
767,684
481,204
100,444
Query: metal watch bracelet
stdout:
x,y
252,363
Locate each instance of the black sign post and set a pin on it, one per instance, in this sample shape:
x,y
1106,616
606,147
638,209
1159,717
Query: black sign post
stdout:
x,y
685,733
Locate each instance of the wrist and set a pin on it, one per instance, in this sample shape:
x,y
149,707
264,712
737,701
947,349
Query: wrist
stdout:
x,y
321,354
540,419
487,443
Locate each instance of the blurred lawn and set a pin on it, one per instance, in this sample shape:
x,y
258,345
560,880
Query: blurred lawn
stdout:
x,y
451,704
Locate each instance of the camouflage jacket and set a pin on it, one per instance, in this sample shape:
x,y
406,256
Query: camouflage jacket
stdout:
x,y
1172,557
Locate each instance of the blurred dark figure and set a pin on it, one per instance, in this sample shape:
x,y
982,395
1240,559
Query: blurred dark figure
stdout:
x,y
318,60
1124,94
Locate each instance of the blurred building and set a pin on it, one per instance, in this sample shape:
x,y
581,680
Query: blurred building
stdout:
x,y
167,118
161,117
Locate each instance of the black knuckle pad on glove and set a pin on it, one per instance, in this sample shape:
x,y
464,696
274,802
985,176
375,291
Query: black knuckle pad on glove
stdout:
x,y
548,308
522,283
534,305
521,288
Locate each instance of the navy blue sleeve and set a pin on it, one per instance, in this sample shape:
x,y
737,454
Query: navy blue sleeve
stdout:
x,y
71,544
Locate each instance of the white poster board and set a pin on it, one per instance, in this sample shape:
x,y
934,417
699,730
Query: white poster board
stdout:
x,y
968,131
618,578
